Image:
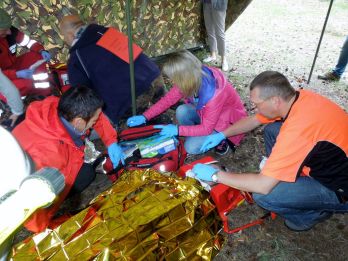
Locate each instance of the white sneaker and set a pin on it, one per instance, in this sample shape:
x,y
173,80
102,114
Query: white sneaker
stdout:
x,y
224,65
209,59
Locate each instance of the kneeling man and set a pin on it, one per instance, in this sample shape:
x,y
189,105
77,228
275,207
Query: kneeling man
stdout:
x,y
53,136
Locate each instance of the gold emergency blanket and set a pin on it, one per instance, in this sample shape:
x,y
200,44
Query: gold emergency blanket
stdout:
x,y
143,216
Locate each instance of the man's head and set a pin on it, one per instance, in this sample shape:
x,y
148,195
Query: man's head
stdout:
x,y
270,91
68,27
81,107
5,23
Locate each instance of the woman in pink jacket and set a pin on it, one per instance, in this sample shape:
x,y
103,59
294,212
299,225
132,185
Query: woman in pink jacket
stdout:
x,y
212,103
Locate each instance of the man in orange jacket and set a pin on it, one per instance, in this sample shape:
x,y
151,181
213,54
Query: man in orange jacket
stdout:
x,y
305,178
19,69
53,136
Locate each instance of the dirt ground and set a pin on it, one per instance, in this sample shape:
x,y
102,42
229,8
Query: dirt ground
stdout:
x,y
275,35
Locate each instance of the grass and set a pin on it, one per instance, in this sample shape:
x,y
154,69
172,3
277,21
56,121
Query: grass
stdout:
x,y
340,5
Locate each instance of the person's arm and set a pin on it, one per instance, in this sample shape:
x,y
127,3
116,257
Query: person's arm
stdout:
x,y
242,126
109,136
9,73
171,98
12,95
250,182
25,41
105,130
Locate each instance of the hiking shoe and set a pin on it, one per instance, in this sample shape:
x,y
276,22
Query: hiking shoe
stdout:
x,y
209,59
298,228
329,76
222,148
224,65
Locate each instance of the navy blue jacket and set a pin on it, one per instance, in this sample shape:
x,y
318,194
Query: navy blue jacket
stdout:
x,y
107,74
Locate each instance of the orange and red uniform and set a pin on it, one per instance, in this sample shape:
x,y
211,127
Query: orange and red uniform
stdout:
x,y
10,63
43,136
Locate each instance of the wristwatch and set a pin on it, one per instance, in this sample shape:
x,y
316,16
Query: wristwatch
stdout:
x,y
214,177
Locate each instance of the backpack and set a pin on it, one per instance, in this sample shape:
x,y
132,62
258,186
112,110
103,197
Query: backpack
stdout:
x,y
226,198
170,161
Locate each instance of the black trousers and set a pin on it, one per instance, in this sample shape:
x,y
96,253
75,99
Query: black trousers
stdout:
x,y
85,177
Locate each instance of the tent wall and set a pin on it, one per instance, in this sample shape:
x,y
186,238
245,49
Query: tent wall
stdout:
x,y
159,27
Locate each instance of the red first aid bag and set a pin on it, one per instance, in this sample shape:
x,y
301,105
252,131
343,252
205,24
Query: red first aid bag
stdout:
x,y
59,75
226,198
170,161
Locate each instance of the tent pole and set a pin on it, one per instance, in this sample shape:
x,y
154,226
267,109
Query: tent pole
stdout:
x,y
130,51
321,37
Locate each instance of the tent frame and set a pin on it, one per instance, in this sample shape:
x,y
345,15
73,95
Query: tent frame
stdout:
x,y
320,39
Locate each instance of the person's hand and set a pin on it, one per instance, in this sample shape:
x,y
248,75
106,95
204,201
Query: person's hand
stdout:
x,y
136,120
46,55
116,154
25,74
204,171
212,141
169,130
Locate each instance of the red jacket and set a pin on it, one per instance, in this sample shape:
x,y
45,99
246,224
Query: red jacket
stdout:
x,y
43,136
8,50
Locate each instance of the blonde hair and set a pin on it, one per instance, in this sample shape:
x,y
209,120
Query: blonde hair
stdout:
x,y
185,70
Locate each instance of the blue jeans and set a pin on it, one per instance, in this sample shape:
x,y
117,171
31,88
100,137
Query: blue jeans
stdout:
x,y
342,60
186,115
302,202
270,135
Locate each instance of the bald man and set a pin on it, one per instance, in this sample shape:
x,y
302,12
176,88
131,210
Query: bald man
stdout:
x,y
98,68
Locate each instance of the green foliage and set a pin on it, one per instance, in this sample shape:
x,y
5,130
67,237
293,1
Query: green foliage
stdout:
x,y
341,4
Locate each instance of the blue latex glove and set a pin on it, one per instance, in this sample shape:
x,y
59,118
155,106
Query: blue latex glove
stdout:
x,y
25,74
212,141
169,130
46,55
136,120
204,171
116,154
